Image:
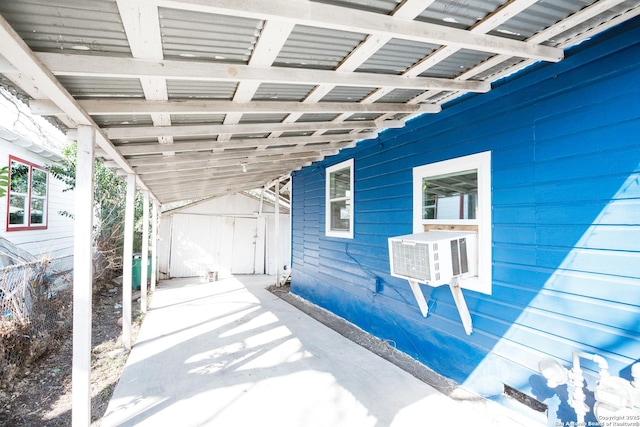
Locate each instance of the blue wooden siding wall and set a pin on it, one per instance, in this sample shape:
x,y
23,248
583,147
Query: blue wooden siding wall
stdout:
x,y
565,142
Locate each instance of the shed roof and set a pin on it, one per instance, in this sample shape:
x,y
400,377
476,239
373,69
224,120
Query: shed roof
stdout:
x,y
205,98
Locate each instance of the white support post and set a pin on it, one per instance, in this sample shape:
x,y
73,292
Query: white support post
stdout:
x,y
144,261
127,262
277,231
154,245
83,278
419,296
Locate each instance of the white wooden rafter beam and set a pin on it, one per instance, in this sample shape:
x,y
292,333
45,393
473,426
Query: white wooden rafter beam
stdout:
x,y
211,186
132,149
121,67
125,106
273,36
159,160
128,132
209,175
254,160
142,27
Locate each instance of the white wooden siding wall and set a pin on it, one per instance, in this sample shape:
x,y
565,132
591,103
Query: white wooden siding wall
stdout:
x,y
57,239
285,244
189,244
201,242
226,233
164,246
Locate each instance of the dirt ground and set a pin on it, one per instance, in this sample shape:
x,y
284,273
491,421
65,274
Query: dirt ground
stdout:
x,y
40,395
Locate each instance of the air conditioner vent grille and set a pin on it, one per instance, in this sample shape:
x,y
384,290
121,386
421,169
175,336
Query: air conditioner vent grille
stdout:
x,y
411,260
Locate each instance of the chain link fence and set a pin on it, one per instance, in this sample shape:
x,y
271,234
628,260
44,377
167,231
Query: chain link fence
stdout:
x,y
35,309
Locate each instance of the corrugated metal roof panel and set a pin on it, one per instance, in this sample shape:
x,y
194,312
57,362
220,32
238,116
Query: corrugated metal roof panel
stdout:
x,y
539,16
186,119
459,14
188,89
317,117
396,56
491,72
13,89
400,95
121,142
347,94
456,64
282,92
319,48
187,34
122,120
609,14
298,133
258,136
263,118
379,6
101,87
362,116
91,26
347,133
399,116
194,138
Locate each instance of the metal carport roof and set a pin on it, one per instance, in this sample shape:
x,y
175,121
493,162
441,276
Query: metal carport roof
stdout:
x,y
203,98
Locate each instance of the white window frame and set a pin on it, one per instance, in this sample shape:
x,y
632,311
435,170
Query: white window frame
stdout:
x,y
346,234
28,197
482,163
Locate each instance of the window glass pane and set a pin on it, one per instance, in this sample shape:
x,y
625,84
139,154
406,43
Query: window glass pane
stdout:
x,y
340,214
39,182
37,211
16,210
451,196
19,178
339,200
340,183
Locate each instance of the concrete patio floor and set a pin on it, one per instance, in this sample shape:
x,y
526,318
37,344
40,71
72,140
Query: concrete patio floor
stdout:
x,y
230,353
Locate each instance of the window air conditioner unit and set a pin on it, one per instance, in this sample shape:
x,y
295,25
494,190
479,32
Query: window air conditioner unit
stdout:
x,y
434,257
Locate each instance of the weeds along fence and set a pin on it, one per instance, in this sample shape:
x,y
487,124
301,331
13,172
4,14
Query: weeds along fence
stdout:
x,y
35,309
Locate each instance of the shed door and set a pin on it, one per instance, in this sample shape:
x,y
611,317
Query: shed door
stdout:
x,y
202,242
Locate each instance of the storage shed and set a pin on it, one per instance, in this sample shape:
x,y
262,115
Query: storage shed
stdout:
x,y
227,235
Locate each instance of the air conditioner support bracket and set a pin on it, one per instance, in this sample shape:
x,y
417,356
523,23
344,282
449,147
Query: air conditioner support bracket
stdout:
x,y
461,304
419,296
458,297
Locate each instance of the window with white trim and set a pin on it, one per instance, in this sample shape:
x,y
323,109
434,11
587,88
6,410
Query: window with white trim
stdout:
x,y
27,196
339,200
456,195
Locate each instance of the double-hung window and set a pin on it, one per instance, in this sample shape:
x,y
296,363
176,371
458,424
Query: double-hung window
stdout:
x,y
339,200
27,196
456,195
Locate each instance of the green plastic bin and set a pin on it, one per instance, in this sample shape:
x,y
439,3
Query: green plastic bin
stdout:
x,y
136,270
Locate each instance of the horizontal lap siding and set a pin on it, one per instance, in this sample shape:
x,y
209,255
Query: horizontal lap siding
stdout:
x,y
566,228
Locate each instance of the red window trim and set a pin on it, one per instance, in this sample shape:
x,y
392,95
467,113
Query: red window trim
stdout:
x,y
46,213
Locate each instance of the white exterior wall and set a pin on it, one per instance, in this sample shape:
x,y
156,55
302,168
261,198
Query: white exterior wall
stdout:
x,y
57,239
226,234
